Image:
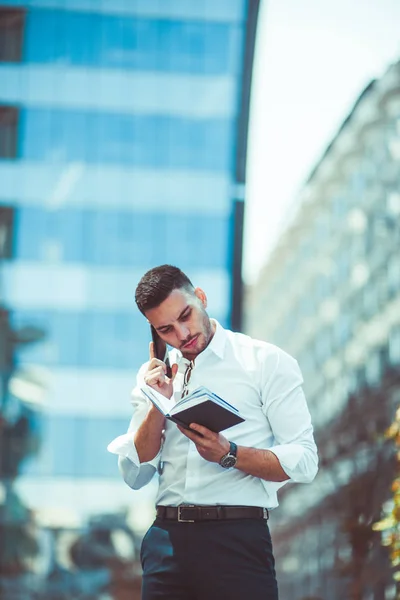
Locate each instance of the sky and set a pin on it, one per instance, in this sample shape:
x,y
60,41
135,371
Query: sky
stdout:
x,y
313,59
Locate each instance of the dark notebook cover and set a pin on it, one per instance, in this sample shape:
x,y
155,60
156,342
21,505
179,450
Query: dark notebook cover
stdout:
x,y
205,408
209,414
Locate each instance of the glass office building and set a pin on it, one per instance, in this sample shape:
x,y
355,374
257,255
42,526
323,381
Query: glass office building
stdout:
x,y
123,129
330,296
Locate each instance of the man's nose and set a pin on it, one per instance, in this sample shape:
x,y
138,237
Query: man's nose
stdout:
x,y
183,333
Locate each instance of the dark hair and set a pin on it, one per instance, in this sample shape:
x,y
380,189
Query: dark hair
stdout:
x,y
156,285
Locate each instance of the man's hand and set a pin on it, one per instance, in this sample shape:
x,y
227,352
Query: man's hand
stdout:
x,y
211,446
156,377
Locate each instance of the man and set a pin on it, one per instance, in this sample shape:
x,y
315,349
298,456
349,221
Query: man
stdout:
x,y
210,539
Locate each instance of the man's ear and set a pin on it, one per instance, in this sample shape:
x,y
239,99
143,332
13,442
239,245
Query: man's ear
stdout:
x,y
201,296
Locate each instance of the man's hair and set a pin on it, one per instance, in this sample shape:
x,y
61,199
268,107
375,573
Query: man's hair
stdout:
x,y
156,285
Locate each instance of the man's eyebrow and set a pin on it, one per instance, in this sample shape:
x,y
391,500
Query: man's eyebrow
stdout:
x,y
180,316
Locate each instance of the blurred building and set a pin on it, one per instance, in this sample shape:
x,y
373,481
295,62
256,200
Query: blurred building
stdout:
x,y
123,132
330,296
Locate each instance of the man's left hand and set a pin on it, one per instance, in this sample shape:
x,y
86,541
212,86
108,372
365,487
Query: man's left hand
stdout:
x,y
212,446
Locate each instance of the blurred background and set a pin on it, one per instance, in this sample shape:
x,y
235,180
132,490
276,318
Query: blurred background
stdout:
x,y
256,145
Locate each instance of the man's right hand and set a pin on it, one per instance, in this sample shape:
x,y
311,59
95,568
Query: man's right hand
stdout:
x,y
156,377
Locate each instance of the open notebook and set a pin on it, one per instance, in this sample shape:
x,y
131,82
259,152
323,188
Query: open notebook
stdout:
x,y
201,406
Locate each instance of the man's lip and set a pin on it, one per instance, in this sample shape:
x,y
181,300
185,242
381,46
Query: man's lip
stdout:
x,y
191,343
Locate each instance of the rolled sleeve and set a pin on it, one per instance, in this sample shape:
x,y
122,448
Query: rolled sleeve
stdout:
x,y
124,446
134,473
286,408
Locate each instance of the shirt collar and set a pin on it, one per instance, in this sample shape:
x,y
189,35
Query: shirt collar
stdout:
x,y
218,342
216,346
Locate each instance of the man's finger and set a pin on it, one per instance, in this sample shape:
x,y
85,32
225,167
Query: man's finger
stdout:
x,y
174,370
192,435
156,374
156,363
151,350
199,429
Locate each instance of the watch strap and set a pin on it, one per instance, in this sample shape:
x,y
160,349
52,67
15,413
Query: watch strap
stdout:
x,y
233,449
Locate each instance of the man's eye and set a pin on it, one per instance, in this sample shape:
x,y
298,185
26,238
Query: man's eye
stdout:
x,y
186,315
167,330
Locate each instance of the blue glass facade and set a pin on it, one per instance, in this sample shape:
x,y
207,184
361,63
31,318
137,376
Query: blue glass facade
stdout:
x,y
85,459
116,335
127,142
109,41
130,237
158,142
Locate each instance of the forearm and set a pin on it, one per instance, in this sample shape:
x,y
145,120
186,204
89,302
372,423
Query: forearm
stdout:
x,y
148,436
260,463
253,461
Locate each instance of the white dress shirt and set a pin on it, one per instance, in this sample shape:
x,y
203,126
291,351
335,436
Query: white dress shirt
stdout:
x,y
265,384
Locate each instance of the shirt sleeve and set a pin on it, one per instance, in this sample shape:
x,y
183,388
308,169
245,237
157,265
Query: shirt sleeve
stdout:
x,y
135,474
285,407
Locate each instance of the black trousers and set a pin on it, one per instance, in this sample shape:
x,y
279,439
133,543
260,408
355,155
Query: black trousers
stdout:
x,y
208,560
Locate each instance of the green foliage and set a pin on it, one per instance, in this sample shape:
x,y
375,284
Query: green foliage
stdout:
x,y
389,525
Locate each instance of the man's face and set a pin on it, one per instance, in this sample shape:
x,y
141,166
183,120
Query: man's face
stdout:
x,y
182,322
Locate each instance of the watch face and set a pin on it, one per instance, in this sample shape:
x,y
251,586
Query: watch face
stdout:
x,y
228,461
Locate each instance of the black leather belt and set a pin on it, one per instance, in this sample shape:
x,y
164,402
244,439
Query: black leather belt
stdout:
x,y
190,514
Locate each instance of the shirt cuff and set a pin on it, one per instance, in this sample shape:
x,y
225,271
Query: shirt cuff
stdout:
x,y
124,446
289,455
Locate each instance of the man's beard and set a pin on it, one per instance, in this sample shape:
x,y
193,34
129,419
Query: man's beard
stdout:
x,y
204,337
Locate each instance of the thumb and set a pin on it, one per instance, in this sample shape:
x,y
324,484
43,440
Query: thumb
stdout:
x,y
174,370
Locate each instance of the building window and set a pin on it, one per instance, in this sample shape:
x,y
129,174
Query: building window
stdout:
x,y
394,346
373,369
6,232
8,131
393,274
11,34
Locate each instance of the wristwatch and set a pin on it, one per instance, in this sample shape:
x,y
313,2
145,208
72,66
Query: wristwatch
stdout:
x,y
229,460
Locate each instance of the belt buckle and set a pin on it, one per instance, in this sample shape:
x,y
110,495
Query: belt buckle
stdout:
x,y
180,518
